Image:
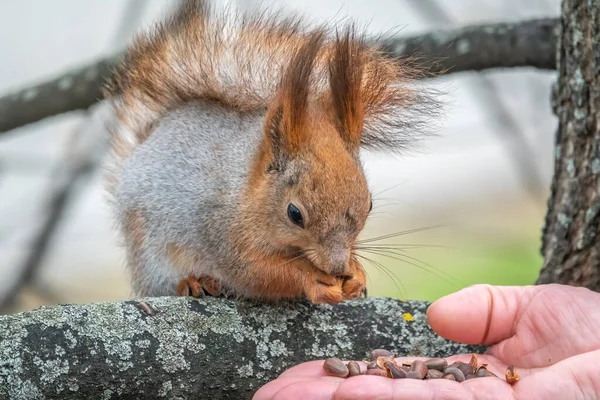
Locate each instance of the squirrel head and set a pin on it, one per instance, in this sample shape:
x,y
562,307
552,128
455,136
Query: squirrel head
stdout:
x,y
319,201
309,181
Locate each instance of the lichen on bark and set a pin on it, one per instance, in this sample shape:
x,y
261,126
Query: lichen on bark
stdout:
x,y
213,347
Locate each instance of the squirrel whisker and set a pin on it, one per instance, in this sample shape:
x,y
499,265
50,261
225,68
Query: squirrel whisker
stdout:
x,y
401,233
397,282
416,263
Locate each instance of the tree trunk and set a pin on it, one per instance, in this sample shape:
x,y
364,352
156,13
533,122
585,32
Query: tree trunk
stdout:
x,y
213,348
571,243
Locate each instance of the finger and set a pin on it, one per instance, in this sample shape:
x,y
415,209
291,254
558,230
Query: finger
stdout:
x,y
271,389
312,369
559,322
372,387
573,378
307,371
268,391
312,389
493,365
480,314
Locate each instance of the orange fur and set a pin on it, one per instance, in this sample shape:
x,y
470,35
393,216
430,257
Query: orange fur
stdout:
x,y
324,96
346,77
335,178
198,286
183,260
295,90
135,226
191,56
268,281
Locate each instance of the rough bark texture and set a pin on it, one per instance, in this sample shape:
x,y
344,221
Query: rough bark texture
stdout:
x,y
526,44
211,348
571,241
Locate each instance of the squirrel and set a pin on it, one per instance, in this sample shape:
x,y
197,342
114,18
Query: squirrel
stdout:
x,y
235,153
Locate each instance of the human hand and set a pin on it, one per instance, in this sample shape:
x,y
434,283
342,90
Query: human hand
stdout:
x,y
551,333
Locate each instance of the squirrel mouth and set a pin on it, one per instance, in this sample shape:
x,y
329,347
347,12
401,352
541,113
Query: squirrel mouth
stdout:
x,y
296,253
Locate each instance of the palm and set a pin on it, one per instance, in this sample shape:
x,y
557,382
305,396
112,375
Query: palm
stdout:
x,y
550,333
552,324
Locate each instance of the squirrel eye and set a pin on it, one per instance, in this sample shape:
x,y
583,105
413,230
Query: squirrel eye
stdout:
x,y
371,206
295,215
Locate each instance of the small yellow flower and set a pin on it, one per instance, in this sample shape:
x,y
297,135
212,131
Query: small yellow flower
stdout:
x,y
408,317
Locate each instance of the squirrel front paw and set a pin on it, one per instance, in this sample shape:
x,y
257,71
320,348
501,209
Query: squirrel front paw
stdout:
x,y
355,284
325,289
331,289
198,286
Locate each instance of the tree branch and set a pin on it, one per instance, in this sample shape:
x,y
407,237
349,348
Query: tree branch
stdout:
x,y
213,348
504,122
475,48
479,47
72,91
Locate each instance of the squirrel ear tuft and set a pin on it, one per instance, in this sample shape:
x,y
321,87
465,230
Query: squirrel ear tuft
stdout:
x,y
346,67
275,140
286,121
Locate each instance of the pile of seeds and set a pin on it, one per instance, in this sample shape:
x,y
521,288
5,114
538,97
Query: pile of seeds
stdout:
x,y
382,363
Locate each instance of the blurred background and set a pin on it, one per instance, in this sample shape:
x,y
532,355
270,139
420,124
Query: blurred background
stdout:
x,y
480,185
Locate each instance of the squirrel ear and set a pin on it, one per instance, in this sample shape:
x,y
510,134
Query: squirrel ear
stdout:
x,y
285,125
275,140
346,68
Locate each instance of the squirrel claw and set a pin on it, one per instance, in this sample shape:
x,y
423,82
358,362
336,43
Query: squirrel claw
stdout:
x,y
327,280
324,293
198,286
356,285
353,288
331,289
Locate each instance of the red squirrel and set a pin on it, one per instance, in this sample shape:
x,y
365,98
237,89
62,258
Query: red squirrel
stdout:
x,y
235,164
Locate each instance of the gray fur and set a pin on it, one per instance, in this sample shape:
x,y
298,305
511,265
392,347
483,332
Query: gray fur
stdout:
x,y
186,179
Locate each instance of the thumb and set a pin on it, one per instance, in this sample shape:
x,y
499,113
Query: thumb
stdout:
x,y
480,314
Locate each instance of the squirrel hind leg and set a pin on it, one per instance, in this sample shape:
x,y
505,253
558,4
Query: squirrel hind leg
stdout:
x,y
198,286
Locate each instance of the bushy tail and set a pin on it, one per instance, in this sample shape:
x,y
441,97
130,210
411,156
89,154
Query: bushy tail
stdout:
x,y
239,60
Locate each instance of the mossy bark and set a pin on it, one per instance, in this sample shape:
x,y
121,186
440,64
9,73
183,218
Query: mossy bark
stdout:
x,y
211,348
571,240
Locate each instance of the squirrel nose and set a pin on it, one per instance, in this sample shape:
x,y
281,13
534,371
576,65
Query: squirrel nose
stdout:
x,y
339,261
